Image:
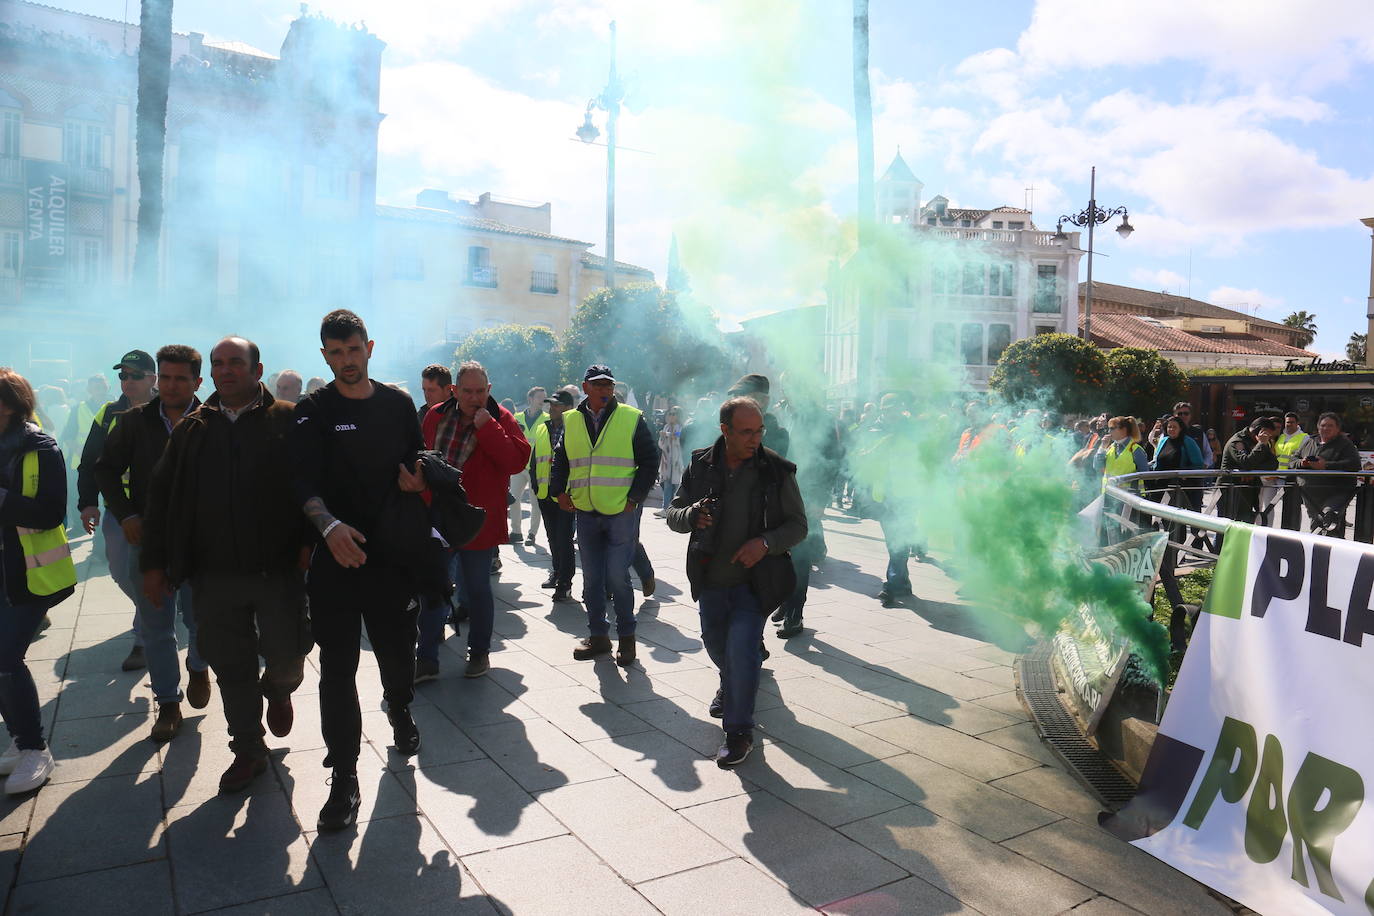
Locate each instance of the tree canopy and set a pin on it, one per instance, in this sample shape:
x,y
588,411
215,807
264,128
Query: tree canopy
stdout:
x,y
1141,383
517,357
1306,322
1059,372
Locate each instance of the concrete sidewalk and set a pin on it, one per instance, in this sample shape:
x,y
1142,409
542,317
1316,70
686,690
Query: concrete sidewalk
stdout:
x,y
896,773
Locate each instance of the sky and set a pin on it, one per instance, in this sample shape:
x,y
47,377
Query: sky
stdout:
x,y
1239,135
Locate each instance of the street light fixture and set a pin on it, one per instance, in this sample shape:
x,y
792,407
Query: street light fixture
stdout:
x,y
1091,217
610,100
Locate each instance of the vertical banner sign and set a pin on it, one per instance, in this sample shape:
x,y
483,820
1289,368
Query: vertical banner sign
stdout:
x,y
47,203
1256,785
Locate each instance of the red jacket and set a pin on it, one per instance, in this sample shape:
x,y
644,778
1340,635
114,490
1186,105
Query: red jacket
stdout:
x,y
501,451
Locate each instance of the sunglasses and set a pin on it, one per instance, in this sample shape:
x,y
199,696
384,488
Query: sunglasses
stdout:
x,y
132,376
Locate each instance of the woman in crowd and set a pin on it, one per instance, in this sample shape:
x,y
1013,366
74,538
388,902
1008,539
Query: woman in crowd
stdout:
x,y
669,457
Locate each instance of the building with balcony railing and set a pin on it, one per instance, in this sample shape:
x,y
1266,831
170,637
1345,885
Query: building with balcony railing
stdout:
x,y
969,283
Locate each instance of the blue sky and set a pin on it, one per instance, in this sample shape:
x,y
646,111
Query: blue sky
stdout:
x,y
1240,135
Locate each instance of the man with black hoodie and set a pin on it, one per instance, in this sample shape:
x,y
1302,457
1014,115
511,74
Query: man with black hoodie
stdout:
x,y
221,516
131,450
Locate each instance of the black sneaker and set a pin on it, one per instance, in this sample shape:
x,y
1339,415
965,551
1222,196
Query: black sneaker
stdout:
x,y
426,670
763,650
344,800
717,709
562,595
736,747
404,732
548,583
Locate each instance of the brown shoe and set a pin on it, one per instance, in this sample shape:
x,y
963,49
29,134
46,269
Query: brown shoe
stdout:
x,y
625,655
168,721
242,771
479,663
591,647
198,688
280,716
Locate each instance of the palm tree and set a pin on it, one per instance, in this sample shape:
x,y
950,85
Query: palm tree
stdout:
x,y
1305,322
1355,349
154,77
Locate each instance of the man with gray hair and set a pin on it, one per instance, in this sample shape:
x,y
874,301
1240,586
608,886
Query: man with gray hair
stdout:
x,y
289,386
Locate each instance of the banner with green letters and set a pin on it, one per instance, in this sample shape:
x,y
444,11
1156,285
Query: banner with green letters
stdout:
x,y
1256,785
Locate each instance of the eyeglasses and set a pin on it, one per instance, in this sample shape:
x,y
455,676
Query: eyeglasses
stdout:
x,y
132,376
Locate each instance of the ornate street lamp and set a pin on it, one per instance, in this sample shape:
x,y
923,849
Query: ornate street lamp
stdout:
x,y
610,100
1091,217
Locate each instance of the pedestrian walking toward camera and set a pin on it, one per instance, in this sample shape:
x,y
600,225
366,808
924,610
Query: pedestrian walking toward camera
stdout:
x,y
741,505
36,572
528,420
670,464
558,523
222,519
604,469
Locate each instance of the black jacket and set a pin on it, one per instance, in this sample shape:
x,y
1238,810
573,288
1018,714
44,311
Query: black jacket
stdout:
x,y
1339,453
1243,452
458,520
134,445
645,451
46,509
87,490
220,498
705,476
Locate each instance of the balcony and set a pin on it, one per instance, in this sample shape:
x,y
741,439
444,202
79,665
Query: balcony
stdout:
x,y
90,181
11,170
543,282
480,276
1019,238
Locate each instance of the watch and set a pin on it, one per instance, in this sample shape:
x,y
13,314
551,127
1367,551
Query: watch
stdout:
x,y
766,545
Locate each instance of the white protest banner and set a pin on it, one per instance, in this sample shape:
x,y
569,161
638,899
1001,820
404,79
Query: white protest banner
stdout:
x,y
1256,785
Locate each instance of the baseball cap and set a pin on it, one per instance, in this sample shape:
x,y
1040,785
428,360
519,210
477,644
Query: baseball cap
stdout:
x,y
136,359
560,397
596,372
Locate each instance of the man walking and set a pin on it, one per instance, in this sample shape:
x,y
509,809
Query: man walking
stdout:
x,y
436,383
130,453
885,467
558,524
483,440
289,386
604,468
740,503
137,374
354,449
222,517
528,420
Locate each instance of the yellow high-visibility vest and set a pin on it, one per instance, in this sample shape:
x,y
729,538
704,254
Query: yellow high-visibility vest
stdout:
x,y
1120,461
1286,447
48,562
84,418
599,477
543,459
528,429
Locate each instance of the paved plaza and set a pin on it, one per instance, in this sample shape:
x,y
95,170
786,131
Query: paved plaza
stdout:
x,y
895,772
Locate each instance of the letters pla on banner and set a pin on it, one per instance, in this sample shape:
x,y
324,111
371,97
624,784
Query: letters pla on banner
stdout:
x,y
1256,785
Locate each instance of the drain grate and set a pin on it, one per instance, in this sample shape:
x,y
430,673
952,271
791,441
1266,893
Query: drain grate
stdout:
x,y
1061,733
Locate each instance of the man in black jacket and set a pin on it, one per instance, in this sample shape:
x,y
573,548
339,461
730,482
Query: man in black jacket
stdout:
x,y
132,448
1326,498
740,502
1250,449
222,517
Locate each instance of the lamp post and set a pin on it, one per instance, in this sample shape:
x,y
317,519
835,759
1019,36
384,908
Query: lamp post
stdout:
x,y
1090,218
1369,309
609,101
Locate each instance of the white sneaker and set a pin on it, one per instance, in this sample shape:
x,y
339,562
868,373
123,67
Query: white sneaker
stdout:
x,y
9,759
31,771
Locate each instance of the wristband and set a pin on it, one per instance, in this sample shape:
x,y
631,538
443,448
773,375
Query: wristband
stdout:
x,y
324,535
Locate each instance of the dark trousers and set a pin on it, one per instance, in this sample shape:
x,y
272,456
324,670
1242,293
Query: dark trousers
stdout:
x,y
434,614
240,617
1318,500
18,695
475,570
804,556
342,601
732,630
558,525
607,544
897,582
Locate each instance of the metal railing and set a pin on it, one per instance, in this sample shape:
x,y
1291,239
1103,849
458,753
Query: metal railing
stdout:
x,y
542,281
481,276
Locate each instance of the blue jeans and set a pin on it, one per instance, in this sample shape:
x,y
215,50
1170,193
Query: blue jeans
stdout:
x,y
731,630
159,624
607,543
639,562
475,567
434,612
898,580
117,558
669,491
18,695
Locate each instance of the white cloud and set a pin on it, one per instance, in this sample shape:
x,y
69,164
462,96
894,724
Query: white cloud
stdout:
x,y
416,28
1245,300
1163,280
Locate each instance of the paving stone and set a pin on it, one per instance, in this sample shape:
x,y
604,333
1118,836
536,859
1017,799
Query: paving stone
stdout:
x,y
116,696
668,769
1097,859
538,755
702,683
1106,906
910,895
317,902
630,830
104,746
395,863
305,779
954,683
686,719
730,888
519,672
475,806
1055,790
962,799
11,846
441,741
1023,739
977,872
15,812
125,812
808,858
582,714
557,875
1008,704
192,764
997,675
469,702
844,706
619,685
143,889
827,793
825,738
255,834
979,759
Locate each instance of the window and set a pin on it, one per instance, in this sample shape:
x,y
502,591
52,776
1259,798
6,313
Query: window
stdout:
x,y
930,221
1016,225
480,271
9,135
10,246
1002,280
966,223
942,340
973,280
81,144
86,262
331,182
1045,329
971,344
543,279
997,224
999,338
943,280
1047,288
